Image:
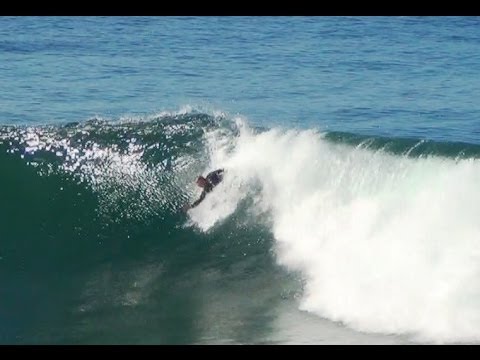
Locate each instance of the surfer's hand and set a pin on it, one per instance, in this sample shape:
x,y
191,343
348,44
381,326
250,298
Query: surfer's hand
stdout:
x,y
186,207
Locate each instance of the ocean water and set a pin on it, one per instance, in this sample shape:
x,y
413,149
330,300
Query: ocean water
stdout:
x,y
349,209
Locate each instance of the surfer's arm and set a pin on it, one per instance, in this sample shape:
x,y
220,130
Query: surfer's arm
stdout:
x,y
202,196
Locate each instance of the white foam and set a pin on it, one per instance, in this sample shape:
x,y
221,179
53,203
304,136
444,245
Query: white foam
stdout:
x,y
387,244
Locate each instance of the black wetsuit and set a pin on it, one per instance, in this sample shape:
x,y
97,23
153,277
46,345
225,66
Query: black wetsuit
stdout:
x,y
213,179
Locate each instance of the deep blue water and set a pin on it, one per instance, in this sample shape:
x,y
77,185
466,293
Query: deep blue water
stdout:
x,y
395,76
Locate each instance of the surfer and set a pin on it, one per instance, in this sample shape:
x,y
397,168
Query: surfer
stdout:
x,y
207,184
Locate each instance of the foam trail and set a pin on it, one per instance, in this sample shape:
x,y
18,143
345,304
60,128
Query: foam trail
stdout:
x,y
387,244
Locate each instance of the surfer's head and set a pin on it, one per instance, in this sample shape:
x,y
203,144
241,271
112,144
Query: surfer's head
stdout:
x,y
201,181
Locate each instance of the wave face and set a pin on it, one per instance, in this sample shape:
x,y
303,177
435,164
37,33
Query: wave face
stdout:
x,y
379,234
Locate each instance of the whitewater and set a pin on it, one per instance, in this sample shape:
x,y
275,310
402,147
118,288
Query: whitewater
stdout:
x,y
387,244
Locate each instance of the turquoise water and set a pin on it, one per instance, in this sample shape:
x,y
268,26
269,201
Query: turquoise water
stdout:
x,y
349,209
